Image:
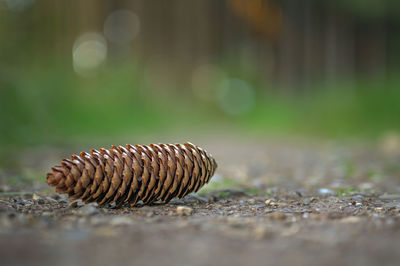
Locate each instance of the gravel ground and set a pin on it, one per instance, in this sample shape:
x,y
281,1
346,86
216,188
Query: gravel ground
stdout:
x,y
274,203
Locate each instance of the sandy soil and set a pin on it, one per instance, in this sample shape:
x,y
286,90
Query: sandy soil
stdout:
x,y
275,203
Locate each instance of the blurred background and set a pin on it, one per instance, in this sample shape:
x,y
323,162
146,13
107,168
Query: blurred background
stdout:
x,y
297,100
80,71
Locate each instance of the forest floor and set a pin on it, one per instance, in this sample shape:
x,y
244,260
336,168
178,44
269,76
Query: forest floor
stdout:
x,y
271,203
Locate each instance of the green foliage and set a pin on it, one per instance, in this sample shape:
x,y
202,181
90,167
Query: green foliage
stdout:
x,y
255,192
50,104
223,194
225,183
374,175
26,177
344,192
366,108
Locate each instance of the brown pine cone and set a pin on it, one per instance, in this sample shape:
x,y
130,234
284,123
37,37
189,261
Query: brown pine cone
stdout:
x,y
128,175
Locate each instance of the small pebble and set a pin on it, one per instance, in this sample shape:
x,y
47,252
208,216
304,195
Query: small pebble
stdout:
x,y
57,196
325,191
51,200
73,204
184,211
120,220
36,196
277,216
268,210
251,201
366,186
150,214
350,219
357,197
37,199
271,203
62,201
88,210
313,199
98,220
295,194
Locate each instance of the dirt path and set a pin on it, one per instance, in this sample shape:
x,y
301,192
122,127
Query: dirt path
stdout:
x,y
282,204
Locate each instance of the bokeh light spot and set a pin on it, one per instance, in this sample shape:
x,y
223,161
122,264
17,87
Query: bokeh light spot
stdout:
x,y
236,96
121,26
89,53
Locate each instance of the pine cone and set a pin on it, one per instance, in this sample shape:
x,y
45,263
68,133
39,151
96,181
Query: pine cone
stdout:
x,y
128,175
